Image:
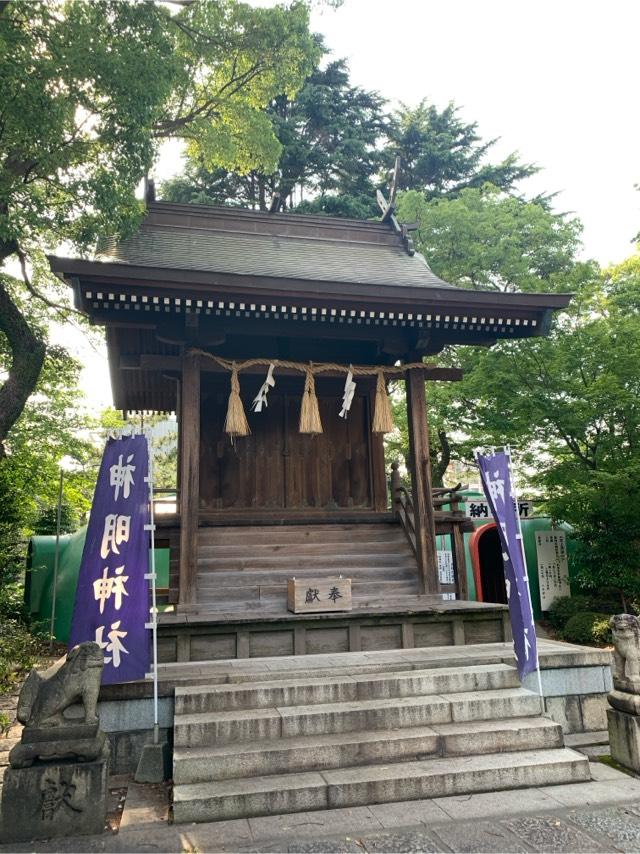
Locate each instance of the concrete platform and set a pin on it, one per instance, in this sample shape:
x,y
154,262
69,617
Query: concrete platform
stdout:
x,y
603,815
575,682
384,617
293,730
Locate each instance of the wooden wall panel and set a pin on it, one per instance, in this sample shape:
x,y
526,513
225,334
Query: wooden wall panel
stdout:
x,y
277,466
483,631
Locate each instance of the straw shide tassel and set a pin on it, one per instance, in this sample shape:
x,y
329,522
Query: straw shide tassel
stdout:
x,y
236,423
382,417
309,412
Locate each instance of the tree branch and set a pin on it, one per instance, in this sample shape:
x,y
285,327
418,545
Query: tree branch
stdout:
x,y
56,306
27,358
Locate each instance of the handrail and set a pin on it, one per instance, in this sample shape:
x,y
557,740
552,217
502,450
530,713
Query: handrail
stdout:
x,y
402,503
403,507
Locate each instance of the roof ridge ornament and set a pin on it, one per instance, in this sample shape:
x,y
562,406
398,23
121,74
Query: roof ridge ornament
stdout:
x,y
388,209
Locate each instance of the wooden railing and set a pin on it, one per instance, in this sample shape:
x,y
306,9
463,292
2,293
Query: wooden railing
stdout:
x,y
452,521
405,513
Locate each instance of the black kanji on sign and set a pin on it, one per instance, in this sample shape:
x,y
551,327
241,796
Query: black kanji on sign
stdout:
x,y
312,595
334,594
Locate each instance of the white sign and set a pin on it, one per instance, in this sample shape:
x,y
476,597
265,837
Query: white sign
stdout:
x,y
445,567
553,568
477,508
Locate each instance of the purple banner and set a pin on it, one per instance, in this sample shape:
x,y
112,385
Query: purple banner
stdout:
x,y
495,472
112,598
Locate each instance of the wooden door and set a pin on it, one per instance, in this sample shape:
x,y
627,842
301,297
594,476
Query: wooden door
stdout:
x,y
277,467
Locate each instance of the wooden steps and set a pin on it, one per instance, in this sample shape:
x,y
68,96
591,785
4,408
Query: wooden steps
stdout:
x,y
240,565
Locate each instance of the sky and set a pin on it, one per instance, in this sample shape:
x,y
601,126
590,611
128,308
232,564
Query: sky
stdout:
x,y
556,80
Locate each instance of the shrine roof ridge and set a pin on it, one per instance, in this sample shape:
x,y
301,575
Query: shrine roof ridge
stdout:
x,y
237,218
214,247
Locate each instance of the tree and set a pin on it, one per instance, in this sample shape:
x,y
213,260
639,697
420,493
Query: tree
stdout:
x,y
89,89
328,133
442,155
52,426
573,404
486,239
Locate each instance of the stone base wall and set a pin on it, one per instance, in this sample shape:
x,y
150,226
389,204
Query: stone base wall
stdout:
x,y
128,724
575,697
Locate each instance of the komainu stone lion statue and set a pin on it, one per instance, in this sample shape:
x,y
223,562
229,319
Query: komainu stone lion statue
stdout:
x,y
45,696
48,734
626,655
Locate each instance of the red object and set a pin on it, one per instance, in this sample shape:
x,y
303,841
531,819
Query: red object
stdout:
x,y
474,550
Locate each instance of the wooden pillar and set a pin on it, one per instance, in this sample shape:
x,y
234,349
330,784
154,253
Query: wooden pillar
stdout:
x,y
394,488
189,475
459,558
420,468
460,562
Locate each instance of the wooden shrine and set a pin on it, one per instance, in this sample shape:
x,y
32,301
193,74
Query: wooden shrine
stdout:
x,y
198,305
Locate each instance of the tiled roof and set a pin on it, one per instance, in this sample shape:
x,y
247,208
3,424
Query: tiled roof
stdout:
x,y
301,248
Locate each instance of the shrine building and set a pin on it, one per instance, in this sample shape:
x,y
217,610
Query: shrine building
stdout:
x,y
273,338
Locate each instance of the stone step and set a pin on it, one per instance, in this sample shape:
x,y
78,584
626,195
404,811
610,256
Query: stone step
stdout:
x,y
356,786
336,559
311,690
210,728
343,750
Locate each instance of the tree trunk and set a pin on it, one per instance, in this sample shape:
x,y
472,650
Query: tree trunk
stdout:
x,y
27,357
441,463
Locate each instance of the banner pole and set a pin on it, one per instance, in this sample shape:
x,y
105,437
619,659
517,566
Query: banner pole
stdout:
x,y
524,562
56,562
154,610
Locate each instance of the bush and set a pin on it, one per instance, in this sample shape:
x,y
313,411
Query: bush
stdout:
x,y
588,627
18,650
607,600
602,631
565,607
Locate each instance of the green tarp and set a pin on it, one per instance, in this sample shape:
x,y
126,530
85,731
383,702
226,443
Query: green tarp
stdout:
x,y
39,579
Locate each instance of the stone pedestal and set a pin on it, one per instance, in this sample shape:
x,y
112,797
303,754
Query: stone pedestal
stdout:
x,y
50,799
624,738
82,742
155,763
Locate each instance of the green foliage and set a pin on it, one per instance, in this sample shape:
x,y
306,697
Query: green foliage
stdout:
x,y
47,521
5,724
565,607
442,155
328,135
588,627
574,418
486,239
18,646
337,142
18,649
89,88
52,427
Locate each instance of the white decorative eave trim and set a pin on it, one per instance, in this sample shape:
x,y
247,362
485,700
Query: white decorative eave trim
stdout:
x,y
297,313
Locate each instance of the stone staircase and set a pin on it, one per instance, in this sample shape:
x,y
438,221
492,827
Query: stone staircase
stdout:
x,y
291,743
240,565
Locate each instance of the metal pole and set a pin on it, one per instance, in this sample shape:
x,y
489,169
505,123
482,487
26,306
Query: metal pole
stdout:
x,y
56,561
154,610
526,568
